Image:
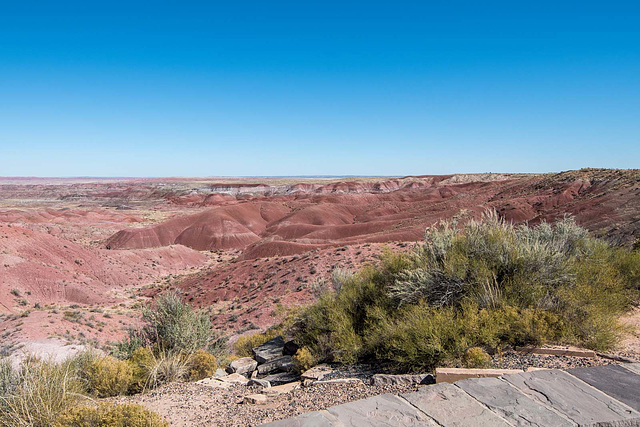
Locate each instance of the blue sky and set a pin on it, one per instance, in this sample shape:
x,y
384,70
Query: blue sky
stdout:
x,y
305,88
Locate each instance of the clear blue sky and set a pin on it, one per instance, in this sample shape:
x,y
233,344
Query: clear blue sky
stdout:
x,y
217,88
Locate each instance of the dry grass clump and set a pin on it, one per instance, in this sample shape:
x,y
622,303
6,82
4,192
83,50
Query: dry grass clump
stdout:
x,y
487,284
107,415
37,392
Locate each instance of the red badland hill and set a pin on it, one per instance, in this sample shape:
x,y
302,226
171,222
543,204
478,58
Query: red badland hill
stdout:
x,y
244,246
606,202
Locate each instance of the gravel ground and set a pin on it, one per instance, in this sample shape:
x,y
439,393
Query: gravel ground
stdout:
x,y
190,404
513,360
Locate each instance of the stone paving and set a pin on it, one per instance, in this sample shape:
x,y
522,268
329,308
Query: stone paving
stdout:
x,y
599,396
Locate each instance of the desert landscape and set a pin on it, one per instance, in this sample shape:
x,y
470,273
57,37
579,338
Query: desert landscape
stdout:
x,y
80,259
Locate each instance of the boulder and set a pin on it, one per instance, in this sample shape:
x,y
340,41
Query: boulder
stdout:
x,y
234,379
259,382
316,373
281,378
220,373
269,350
280,364
244,365
290,348
380,379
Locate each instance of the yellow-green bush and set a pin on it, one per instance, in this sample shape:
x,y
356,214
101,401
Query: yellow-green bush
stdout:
x,y
201,365
304,359
103,376
142,361
488,284
107,415
475,357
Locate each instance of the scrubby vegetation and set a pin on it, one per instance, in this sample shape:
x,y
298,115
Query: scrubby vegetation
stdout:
x,y
38,392
105,415
487,284
171,346
175,343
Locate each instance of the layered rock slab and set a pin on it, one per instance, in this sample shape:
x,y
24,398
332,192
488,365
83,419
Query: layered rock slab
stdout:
x,y
451,406
577,400
613,380
511,404
383,410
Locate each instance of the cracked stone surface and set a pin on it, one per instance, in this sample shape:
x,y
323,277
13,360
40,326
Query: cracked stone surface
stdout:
x,y
575,399
633,367
451,406
383,410
613,380
511,404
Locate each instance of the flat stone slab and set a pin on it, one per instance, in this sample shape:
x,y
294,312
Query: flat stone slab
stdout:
x,y
310,419
575,399
451,406
279,364
613,380
451,375
633,367
281,389
558,351
256,399
380,379
269,350
316,373
383,410
505,400
234,379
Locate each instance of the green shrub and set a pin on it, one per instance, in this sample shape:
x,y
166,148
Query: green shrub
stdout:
x,y
201,365
40,390
103,376
304,359
475,357
175,326
7,377
488,284
107,415
142,361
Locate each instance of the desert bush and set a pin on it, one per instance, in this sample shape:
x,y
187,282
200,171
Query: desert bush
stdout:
x,y
103,376
201,365
487,284
304,359
174,325
166,368
134,339
142,361
39,391
7,377
475,357
108,415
